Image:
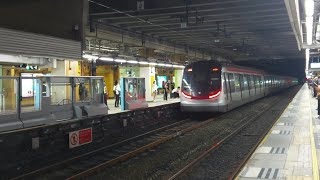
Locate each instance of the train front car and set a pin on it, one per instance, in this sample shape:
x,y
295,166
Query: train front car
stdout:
x,y
201,89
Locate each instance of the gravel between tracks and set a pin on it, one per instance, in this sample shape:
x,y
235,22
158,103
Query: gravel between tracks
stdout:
x,y
222,162
173,155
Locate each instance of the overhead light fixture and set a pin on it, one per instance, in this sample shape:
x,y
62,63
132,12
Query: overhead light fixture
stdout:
x,y
160,64
154,64
178,66
168,65
143,62
307,59
132,62
106,59
309,28
309,10
90,57
309,7
120,60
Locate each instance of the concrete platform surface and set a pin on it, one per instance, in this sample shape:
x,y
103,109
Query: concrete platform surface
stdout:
x,y
291,148
159,101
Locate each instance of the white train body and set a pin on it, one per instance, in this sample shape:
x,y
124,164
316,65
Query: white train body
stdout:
x,y
208,86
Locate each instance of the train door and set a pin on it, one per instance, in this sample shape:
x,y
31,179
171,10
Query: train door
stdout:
x,y
230,85
236,95
252,85
244,86
226,87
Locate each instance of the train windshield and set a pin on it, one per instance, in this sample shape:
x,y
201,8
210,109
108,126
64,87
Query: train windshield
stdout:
x,y
202,79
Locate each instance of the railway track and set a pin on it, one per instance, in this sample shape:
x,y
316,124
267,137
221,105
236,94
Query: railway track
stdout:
x,y
99,168
107,156
211,163
94,162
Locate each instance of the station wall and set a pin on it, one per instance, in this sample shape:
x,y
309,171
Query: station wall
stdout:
x,y
108,74
56,18
178,77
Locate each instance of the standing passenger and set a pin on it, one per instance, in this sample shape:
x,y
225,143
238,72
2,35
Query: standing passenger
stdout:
x,y
166,90
154,90
315,85
116,90
105,90
318,97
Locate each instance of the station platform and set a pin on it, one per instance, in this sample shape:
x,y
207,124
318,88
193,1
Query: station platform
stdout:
x,y
159,102
291,148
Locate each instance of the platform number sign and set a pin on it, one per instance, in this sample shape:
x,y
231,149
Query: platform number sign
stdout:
x,y
140,5
80,137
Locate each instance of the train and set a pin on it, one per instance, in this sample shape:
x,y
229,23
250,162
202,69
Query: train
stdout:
x,y
211,86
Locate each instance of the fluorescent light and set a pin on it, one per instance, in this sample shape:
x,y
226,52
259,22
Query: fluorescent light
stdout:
x,y
106,59
159,64
153,63
307,58
87,56
120,60
309,7
132,62
178,66
143,62
309,27
168,65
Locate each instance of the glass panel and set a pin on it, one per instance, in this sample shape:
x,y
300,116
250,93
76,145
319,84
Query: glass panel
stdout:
x,y
60,93
237,82
8,96
31,93
97,90
241,82
232,83
83,90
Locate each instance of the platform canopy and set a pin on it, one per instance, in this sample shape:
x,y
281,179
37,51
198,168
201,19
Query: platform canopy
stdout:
x,y
241,30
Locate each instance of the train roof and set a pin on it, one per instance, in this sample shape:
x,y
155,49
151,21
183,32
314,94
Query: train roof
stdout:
x,y
240,69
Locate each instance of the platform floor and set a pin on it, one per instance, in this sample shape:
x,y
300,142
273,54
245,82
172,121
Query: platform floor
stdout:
x,y
159,101
291,149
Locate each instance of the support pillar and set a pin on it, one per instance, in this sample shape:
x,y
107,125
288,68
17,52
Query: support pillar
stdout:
x,y
149,74
178,77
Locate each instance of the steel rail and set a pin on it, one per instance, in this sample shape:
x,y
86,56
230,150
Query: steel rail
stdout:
x,y
140,150
217,144
47,168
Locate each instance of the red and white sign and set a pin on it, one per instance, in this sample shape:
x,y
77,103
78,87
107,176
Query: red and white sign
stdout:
x,y
80,137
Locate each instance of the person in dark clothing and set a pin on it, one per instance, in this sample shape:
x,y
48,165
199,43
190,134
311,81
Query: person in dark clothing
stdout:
x,y
318,96
175,92
166,90
315,85
83,92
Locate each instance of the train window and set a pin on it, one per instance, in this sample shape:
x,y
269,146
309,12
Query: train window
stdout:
x,y
245,82
252,86
241,82
202,80
257,82
215,78
232,82
237,83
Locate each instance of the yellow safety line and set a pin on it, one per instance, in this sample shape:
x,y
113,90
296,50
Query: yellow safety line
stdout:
x,y
315,170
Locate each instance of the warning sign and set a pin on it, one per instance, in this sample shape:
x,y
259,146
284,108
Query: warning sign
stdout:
x,y
80,137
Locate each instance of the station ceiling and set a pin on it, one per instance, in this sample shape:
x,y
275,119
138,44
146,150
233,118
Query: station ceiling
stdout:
x,y
256,31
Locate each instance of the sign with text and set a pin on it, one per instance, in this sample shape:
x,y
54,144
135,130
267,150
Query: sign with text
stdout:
x,y
80,137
